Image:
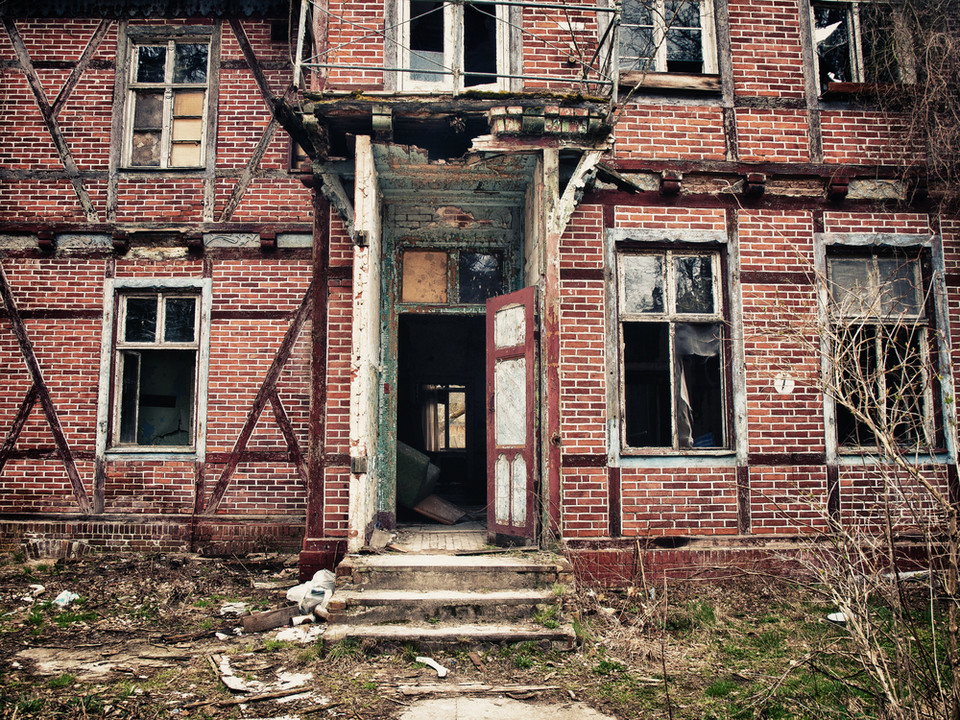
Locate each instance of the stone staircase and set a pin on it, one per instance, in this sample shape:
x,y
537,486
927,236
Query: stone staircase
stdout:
x,y
433,600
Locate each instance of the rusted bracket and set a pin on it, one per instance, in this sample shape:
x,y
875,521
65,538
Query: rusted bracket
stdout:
x,y
43,395
670,183
264,395
754,185
837,188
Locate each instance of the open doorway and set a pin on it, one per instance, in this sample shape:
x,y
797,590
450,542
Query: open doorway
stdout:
x,y
440,408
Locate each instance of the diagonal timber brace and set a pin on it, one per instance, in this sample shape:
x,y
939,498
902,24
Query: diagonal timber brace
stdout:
x,y
268,390
43,396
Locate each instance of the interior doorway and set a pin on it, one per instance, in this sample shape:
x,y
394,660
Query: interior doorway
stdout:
x,y
441,406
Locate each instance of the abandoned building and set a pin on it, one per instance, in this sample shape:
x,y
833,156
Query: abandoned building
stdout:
x,y
258,258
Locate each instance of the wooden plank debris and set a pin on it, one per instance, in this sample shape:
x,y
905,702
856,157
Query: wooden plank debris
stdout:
x,y
436,508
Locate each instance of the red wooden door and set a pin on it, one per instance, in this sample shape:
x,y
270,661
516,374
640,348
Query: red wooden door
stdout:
x,y
512,416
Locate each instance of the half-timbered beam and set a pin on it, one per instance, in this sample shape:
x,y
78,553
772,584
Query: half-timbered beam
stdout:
x,y
49,119
267,388
43,394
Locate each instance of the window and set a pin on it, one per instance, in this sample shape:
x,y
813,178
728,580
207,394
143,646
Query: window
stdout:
x,y
444,409
881,356
155,368
667,36
439,277
855,43
167,103
452,45
672,351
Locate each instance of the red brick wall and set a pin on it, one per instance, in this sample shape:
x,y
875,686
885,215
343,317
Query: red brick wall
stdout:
x,y
255,295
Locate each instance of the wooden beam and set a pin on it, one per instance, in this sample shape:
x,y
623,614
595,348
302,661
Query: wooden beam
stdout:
x,y
23,412
286,429
82,64
43,394
47,113
267,388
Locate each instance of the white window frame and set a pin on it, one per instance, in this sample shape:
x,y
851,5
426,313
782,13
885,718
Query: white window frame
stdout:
x,y
116,292
453,61
708,36
871,316
168,88
671,318
905,65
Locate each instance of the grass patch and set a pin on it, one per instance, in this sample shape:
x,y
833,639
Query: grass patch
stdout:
x,y
61,681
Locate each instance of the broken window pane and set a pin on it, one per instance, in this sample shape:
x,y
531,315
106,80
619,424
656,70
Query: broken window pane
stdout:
x,y
185,155
148,113
510,403
850,286
480,277
694,284
146,148
642,286
424,276
190,63
698,385
141,320
165,398
899,286
151,61
188,104
426,40
128,396
831,33
180,320
646,385
479,44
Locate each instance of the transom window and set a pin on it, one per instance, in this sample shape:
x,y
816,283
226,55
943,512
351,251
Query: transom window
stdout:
x,y
855,43
881,355
452,45
672,350
667,36
167,98
155,369
456,276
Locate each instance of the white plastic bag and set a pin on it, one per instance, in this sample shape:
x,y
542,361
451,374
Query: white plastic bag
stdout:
x,y
316,591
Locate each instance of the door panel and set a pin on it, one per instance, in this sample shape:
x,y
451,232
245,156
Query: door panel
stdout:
x,y
511,416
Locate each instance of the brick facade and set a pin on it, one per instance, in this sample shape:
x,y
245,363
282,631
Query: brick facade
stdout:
x,y
752,166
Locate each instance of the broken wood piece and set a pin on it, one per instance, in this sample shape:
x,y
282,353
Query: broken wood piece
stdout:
x,y
258,622
252,698
197,634
471,689
477,662
441,670
396,547
317,708
379,539
436,508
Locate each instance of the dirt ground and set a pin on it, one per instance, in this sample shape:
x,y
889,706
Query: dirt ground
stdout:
x,y
141,640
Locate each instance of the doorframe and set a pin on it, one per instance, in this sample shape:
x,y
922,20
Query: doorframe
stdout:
x,y
394,242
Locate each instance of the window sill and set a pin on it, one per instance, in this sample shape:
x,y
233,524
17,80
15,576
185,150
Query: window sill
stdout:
x,y
669,81
147,453
872,456
149,169
843,90
678,459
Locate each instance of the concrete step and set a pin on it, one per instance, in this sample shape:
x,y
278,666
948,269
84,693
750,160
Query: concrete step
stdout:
x,y
383,606
471,573
446,636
